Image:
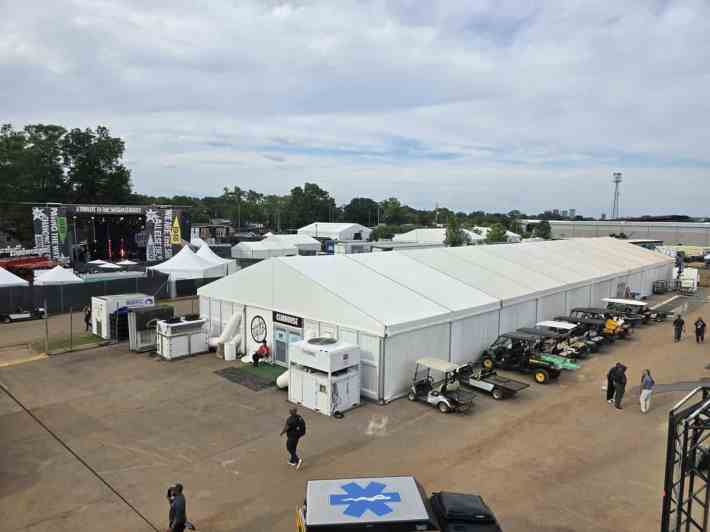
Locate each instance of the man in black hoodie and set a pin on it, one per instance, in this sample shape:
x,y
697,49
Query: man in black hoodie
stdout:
x,y
610,383
619,385
178,510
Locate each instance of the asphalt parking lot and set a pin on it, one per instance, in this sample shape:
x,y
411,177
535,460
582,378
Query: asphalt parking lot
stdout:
x,y
555,459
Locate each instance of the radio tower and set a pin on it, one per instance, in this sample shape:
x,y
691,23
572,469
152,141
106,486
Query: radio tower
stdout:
x,y
617,195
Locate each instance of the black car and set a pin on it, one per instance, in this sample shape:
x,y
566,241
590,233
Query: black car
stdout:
x,y
517,351
459,512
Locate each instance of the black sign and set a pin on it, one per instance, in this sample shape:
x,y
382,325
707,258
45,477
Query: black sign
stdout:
x,y
286,319
258,329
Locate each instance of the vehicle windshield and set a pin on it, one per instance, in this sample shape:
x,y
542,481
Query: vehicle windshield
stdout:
x,y
503,342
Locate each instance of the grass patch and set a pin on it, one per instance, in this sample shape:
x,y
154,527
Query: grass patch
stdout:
x,y
62,343
265,371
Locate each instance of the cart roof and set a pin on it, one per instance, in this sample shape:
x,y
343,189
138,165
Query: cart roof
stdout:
x,y
437,364
557,324
365,501
532,331
630,302
520,335
593,310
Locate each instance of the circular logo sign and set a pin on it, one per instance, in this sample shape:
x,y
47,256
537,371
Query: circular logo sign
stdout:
x,y
258,329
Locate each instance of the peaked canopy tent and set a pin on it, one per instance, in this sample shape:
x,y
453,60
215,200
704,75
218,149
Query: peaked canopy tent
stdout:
x,y
57,276
206,253
306,245
447,303
434,235
263,249
512,237
336,231
187,265
8,279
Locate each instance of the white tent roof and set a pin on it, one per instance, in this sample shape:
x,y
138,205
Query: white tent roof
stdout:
x,y
198,242
432,235
10,279
109,266
185,264
206,253
126,262
97,262
56,276
334,231
264,249
299,241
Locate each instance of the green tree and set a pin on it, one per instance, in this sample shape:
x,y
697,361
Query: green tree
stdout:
x,y
307,205
455,235
543,230
93,166
393,213
497,234
362,211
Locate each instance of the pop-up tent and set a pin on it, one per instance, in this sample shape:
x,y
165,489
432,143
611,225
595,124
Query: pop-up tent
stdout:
x,y
8,279
57,276
187,265
229,265
264,249
306,245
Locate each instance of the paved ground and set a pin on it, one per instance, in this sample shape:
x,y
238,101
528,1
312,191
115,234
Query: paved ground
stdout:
x,y
556,459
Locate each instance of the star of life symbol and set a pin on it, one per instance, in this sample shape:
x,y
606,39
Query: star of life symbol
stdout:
x,y
358,500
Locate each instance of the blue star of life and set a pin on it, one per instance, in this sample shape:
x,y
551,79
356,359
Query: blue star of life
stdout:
x,y
358,500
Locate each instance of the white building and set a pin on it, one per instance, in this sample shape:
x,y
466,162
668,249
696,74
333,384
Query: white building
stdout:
x,y
449,303
434,235
336,231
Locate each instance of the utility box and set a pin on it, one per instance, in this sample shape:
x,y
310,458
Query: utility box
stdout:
x,y
324,375
103,307
142,322
180,337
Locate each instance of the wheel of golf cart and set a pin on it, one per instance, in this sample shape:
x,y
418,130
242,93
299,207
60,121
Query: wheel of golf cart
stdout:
x,y
487,363
497,394
6,319
411,396
443,408
542,376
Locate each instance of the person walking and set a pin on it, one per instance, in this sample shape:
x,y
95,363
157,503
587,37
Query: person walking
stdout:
x,y
87,318
295,429
178,509
647,384
619,385
678,328
700,330
610,383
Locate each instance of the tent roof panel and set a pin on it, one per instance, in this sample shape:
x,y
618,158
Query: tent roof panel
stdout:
x,y
8,279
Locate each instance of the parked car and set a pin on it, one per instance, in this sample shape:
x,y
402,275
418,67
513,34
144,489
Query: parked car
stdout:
x,y
463,512
20,314
444,392
489,381
516,351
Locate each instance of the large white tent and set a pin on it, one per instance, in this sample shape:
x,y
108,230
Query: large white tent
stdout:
x,y
185,264
434,235
448,303
8,279
263,249
229,265
57,276
306,245
342,231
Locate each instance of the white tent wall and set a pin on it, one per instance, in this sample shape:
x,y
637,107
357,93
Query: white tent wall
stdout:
x,y
402,352
552,305
578,297
252,312
601,290
470,336
513,317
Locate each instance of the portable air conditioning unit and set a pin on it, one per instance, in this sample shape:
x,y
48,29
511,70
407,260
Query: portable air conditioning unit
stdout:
x,y
181,337
324,375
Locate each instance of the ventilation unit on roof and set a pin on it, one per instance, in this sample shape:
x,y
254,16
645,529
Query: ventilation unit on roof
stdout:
x,y
322,341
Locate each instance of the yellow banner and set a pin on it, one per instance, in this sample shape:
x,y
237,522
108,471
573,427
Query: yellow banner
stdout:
x,y
175,236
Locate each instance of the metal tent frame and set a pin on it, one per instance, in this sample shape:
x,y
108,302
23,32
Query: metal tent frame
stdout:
x,y
686,494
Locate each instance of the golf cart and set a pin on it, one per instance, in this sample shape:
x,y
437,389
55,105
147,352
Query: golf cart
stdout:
x,y
574,334
554,344
596,328
489,381
23,315
612,321
443,393
516,351
634,309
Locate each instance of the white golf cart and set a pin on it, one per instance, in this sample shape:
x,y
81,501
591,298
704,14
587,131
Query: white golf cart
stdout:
x,y
441,389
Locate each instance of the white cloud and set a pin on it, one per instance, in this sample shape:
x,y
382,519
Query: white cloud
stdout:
x,y
478,105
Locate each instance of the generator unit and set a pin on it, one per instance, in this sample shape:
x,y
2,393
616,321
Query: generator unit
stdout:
x,y
180,337
104,307
142,322
324,375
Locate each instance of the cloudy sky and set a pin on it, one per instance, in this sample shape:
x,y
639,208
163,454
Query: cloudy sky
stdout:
x,y
490,105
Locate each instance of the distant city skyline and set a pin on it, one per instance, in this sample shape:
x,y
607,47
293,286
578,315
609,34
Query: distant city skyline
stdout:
x,y
487,106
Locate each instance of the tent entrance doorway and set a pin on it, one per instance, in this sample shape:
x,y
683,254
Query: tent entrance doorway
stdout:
x,y
283,336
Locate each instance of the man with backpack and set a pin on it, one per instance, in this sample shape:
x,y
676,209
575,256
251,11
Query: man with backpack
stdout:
x,y
295,429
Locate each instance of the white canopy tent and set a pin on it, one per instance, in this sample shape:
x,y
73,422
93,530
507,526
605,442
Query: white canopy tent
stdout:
x,y
197,242
434,235
109,266
57,276
126,262
512,237
305,244
185,264
336,231
206,253
263,249
97,262
8,279
446,303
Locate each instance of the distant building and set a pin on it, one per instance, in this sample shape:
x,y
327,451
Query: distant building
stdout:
x,y
564,213
572,213
603,217
556,212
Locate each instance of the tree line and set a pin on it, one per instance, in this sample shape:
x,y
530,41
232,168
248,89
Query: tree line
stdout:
x,y
46,163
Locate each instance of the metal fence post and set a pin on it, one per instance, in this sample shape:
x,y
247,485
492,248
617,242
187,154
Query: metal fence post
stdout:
x,y
46,328
71,328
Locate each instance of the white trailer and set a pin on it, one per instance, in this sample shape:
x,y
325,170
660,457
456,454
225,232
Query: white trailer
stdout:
x,y
102,307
